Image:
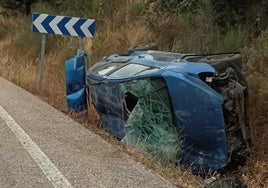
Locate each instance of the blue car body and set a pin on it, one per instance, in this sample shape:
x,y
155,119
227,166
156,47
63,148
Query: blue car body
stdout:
x,y
197,108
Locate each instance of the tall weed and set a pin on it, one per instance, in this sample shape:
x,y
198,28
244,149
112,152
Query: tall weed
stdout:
x,y
45,7
234,39
25,43
111,39
135,9
7,24
83,8
256,71
201,35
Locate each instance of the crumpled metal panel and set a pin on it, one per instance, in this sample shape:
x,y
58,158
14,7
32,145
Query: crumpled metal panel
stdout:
x,y
198,113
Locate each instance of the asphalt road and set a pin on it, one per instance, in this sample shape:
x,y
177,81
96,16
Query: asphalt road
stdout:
x,y
42,147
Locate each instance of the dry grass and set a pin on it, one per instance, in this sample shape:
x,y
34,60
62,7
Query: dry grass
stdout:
x,y
255,173
117,39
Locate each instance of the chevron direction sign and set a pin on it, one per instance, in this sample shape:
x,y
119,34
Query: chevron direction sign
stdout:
x,y
63,25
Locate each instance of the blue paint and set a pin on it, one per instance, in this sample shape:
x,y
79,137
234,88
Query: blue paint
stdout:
x,y
75,82
77,27
62,24
91,28
198,113
46,25
77,101
34,16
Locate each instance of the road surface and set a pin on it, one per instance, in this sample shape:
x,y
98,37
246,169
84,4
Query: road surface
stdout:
x,y
42,147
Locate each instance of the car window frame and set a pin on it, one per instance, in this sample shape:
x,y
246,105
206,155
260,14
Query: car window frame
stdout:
x,y
124,64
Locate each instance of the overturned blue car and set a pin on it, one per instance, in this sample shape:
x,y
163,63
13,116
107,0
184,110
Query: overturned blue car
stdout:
x,y
185,106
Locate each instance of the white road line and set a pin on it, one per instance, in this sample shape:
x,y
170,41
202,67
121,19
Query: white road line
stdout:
x,y
49,169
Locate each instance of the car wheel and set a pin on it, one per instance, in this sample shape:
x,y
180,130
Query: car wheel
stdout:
x,y
143,47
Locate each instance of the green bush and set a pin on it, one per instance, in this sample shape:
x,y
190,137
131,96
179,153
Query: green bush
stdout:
x,y
136,9
233,40
45,7
177,6
11,4
82,8
199,32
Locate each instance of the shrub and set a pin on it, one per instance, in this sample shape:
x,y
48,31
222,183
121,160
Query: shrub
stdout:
x,y
233,40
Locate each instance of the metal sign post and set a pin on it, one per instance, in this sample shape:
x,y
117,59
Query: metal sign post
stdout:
x,y
61,25
81,43
42,59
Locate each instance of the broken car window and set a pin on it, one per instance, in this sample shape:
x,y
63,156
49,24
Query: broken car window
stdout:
x,y
131,70
103,70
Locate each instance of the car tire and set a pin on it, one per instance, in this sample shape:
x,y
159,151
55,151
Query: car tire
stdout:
x,y
143,47
222,61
